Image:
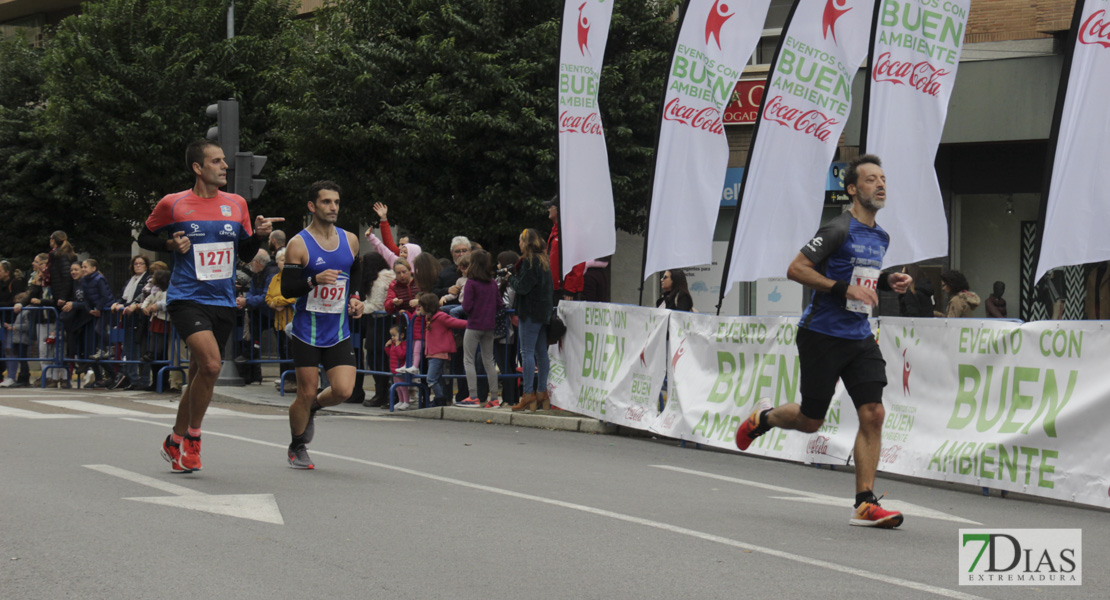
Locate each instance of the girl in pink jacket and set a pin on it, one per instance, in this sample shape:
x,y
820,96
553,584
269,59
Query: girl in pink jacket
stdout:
x,y
395,349
439,343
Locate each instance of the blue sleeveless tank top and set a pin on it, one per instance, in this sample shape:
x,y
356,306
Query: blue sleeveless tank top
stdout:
x,y
321,318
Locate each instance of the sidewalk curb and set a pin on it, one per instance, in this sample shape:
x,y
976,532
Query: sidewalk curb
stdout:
x,y
553,420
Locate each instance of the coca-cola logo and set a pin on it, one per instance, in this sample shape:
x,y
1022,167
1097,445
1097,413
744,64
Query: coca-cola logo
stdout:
x,y
818,445
810,122
1095,30
889,454
921,76
635,413
590,124
705,119
669,421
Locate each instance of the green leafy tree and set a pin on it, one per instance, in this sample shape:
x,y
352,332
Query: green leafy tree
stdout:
x,y
129,81
446,111
44,190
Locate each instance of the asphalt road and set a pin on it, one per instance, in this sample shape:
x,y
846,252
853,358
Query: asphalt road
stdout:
x,y
409,508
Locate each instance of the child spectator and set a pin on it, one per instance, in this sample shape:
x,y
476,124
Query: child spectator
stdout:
x,y
440,344
76,317
402,297
98,296
154,306
19,332
450,300
480,302
396,349
504,332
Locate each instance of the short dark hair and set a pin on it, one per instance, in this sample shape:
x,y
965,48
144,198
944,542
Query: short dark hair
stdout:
x,y
194,152
955,280
851,176
314,189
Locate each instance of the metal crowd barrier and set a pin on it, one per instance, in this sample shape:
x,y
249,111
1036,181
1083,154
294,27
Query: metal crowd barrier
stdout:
x,y
31,336
258,342
143,348
506,361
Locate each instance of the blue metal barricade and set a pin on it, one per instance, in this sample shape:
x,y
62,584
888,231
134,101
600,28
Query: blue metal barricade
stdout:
x,y
32,335
259,343
127,342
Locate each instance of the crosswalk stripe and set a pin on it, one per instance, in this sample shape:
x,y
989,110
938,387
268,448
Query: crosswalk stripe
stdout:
x,y
7,411
214,411
93,408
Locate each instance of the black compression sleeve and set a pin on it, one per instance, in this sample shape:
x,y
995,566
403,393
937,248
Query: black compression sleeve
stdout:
x,y
884,282
248,249
294,283
148,240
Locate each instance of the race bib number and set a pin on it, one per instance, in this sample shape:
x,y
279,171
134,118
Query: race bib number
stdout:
x,y
867,277
330,298
214,261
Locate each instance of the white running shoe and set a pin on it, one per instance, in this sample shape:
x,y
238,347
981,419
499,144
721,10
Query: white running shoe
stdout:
x,y
9,382
401,406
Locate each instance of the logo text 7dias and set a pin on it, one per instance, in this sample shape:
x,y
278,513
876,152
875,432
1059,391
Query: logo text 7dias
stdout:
x,y
1029,557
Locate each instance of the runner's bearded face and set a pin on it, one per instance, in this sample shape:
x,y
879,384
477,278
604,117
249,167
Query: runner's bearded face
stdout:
x,y
871,187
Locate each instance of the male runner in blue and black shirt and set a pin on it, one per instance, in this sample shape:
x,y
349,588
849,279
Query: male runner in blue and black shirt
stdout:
x,y
842,265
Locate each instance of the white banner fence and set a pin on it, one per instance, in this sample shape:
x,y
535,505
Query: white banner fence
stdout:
x,y
1013,406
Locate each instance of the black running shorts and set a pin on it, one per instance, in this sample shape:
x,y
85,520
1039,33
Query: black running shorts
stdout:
x,y
825,358
191,317
307,355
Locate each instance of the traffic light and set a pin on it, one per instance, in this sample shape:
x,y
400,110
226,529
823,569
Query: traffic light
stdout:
x,y
246,166
226,131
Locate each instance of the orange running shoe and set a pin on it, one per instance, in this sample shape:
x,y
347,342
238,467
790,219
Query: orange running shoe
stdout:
x,y
190,456
172,453
753,427
870,514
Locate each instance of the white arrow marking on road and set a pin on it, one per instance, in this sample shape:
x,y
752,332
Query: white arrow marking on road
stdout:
x,y
905,508
256,507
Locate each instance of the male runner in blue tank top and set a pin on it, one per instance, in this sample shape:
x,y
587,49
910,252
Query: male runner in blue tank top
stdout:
x,y
842,264
208,229
321,271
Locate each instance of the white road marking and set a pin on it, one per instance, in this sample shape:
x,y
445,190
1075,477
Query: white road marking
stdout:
x,y
94,408
158,484
39,396
904,583
256,507
7,411
905,508
214,411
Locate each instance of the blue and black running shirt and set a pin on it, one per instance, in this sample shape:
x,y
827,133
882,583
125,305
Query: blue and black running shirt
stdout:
x,y
839,248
